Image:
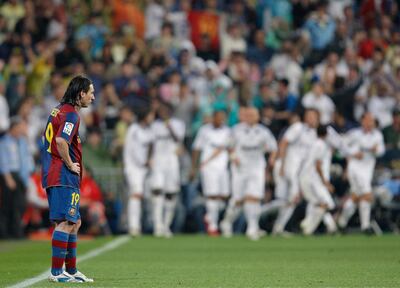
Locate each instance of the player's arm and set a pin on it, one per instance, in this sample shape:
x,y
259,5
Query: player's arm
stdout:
x,y
195,161
318,166
283,144
63,150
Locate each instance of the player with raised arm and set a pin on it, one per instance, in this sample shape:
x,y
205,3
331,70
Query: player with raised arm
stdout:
x,y
212,146
365,144
315,184
293,150
137,161
168,137
61,177
251,141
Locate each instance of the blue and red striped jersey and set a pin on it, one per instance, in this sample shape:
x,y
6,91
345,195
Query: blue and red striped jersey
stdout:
x,y
63,122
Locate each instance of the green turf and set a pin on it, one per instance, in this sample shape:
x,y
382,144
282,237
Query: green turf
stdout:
x,y
198,261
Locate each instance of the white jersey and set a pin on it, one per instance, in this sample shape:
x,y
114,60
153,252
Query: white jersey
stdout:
x,y
213,143
137,144
300,137
165,147
251,143
358,140
319,151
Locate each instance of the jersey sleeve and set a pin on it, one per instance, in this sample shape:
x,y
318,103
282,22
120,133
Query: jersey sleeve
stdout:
x,y
200,140
380,145
180,130
68,127
293,133
270,141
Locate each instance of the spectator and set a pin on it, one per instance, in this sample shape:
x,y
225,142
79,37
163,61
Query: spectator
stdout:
x,y
16,165
391,133
259,53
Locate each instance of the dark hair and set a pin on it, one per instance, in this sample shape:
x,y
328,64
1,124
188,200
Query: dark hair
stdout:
x,y
322,131
284,82
141,113
77,85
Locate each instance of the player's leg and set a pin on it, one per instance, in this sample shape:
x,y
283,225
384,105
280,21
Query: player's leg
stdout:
x,y
64,212
158,184
254,192
364,209
286,211
172,188
170,207
327,219
234,205
210,186
349,207
281,188
136,181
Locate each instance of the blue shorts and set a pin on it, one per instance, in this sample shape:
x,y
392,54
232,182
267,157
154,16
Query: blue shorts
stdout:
x,y
63,203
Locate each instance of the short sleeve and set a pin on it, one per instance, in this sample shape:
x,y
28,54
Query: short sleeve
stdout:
x,y
69,127
293,132
270,141
199,141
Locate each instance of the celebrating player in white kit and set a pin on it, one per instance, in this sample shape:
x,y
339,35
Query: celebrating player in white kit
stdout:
x,y
293,150
168,136
315,185
137,155
212,144
250,142
365,144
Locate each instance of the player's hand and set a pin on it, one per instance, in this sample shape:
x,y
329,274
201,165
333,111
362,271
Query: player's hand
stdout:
x,y
330,187
236,162
374,149
75,167
358,155
282,171
192,174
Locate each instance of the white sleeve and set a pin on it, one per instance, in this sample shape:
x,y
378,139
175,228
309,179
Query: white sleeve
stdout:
x,y
270,141
200,140
180,130
381,145
293,132
127,157
306,101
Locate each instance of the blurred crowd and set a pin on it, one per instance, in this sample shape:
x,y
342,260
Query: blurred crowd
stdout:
x,y
341,58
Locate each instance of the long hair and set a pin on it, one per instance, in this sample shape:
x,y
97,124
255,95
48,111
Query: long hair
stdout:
x,y
77,85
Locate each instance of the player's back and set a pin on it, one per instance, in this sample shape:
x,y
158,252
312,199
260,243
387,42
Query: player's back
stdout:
x,y
63,122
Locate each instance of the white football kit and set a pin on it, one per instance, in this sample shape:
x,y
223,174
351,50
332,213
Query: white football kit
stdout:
x,y
314,190
165,168
360,171
137,144
250,145
213,143
300,138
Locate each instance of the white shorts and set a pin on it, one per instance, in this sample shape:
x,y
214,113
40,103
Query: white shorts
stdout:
x,y
286,188
215,182
360,182
248,183
166,178
136,177
315,192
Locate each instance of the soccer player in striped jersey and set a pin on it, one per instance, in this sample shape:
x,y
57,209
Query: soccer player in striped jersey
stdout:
x,y
61,177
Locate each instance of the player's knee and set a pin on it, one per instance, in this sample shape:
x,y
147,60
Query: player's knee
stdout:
x,y
170,196
78,224
367,197
157,192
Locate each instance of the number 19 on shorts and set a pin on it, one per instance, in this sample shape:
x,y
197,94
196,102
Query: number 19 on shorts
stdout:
x,y
75,199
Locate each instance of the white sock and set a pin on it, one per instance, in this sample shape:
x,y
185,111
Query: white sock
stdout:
x,y
170,205
212,207
272,206
329,222
252,213
232,212
315,218
307,219
158,207
365,214
283,218
348,210
134,213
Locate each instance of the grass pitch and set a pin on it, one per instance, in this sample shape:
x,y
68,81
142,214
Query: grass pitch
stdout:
x,y
198,261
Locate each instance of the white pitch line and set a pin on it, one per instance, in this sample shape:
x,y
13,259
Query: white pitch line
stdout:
x,y
96,252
